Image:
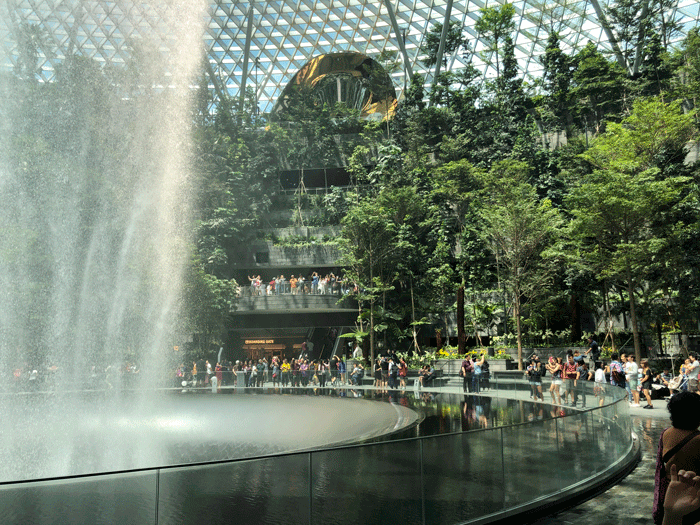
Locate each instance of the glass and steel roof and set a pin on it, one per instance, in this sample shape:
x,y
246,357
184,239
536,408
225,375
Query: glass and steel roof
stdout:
x,y
262,44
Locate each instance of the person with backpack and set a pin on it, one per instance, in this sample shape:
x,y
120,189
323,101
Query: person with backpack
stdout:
x,y
617,374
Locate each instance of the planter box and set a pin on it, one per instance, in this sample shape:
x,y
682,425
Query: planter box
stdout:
x,y
501,364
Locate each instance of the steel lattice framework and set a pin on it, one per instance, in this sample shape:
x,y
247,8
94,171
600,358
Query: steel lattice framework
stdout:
x,y
261,44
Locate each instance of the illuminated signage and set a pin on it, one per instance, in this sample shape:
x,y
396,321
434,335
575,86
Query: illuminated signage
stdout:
x,y
259,341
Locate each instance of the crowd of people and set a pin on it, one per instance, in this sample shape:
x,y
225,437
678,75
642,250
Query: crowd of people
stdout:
x,y
251,373
388,372
99,377
566,373
316,284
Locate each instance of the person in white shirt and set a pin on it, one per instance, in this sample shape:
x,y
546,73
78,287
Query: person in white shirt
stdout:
x,y
599,379
632,377
692,373
357,352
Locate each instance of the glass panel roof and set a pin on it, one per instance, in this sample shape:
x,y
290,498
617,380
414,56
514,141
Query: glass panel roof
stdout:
x,y
285,34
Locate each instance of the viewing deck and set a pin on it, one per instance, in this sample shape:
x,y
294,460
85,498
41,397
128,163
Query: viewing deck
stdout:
x,y
288,303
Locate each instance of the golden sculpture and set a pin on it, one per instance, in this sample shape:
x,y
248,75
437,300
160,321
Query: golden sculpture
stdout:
x,y
350,78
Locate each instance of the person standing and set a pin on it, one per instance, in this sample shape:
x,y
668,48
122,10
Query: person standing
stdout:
x,y
304,371
357,351
261,373
219,376
342,370
466,372
384,364
534,373
616,371
647,381
276,375
593,352
321,373
286,368
632,378
692,373
599,388
623,362
403,372
554,367
377,373
570,377
584,375
393,374
476,376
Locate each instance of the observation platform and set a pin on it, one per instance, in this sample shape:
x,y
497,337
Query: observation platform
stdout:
x,y
290,304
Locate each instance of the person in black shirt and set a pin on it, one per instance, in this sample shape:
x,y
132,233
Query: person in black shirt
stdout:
x,y
593,352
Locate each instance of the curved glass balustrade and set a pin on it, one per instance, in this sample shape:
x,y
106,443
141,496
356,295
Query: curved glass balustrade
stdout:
x,y
453,467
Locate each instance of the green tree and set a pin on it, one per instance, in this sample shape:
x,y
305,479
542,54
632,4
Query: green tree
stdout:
x,y
688,59
518,228
208,304
616,207
494,25
599,89
454,41
557,79
367,245
458,265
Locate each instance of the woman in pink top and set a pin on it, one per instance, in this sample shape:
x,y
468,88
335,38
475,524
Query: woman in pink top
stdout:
x,y
304,370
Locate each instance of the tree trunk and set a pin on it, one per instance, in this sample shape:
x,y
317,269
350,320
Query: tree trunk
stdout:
x,y
575,319
371,329
633,317
460,320
371,309
301,189
413,320
518,330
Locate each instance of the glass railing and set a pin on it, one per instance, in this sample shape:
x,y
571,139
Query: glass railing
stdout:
x,y
448,477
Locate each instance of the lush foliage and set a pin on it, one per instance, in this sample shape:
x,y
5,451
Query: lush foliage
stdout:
x,y
488,212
